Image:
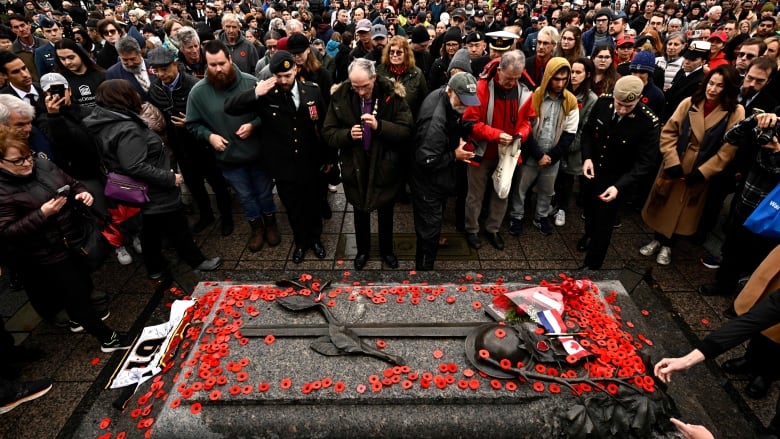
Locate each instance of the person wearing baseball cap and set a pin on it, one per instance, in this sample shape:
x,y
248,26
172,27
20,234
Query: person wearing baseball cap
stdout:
x,y
293,151
717,41
438,149
364,44
619,149
624,48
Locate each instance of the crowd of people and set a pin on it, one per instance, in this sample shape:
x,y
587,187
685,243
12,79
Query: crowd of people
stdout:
x,y
508,107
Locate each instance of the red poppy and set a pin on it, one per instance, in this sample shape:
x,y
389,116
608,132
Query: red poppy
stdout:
x,y
105,423
263,387
286,383
438,354
539,386
196,408
339,387
381,344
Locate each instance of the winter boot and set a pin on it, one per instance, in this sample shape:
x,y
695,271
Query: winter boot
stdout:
x,y
272,236
255,242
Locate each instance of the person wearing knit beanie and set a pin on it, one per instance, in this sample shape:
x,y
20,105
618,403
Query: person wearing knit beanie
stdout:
x,y
461,62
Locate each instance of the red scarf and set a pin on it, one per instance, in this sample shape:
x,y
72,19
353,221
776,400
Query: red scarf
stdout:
x,y
397,69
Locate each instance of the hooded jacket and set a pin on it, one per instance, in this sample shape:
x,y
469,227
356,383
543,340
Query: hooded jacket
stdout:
x,y
130,148
568,120
371,178
243,53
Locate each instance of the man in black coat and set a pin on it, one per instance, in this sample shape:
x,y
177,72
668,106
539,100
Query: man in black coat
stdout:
x,y
292,148
168,91
688,78
619,148
438,147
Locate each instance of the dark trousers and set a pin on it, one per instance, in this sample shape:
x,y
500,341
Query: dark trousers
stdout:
x,y
303,202
719,187
742,252
428,209
763,355
461,191
6,341
67,282
599,219
172,226
564,187
363,230
197,168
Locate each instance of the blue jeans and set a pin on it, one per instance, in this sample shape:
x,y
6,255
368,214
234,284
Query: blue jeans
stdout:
x,y
255,190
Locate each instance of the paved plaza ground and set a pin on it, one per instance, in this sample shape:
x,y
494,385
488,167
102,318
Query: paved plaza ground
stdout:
x,y
70,358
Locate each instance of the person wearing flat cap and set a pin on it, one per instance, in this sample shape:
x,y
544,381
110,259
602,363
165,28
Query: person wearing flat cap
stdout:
x,y
292,147
619,148
169,92
438,152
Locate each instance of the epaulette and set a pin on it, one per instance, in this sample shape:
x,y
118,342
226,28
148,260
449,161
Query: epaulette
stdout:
x,y
606,95
650,114
310,83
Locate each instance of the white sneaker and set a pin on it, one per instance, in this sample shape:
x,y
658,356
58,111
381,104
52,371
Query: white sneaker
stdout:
x,y
137,245
650,249
664,256
333,188
123,256
560,218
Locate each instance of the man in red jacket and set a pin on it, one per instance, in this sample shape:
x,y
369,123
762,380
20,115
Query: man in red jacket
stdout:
x,y
503,115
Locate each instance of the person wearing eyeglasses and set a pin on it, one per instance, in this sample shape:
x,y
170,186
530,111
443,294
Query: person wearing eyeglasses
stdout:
x,y
38,217
746,52
599,33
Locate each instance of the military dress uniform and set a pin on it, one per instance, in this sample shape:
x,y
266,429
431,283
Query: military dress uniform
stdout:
x,y
293,152
623,151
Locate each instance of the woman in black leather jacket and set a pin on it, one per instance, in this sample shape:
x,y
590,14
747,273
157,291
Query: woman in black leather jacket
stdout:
x,y
37,222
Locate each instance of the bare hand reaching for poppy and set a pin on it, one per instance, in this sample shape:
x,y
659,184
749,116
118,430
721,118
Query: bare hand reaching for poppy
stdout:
x,y
691,431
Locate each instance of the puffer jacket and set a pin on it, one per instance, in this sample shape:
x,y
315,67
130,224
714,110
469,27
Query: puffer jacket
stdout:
x,y
130,148
32,238
371,179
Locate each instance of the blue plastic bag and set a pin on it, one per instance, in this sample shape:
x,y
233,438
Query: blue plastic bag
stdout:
x,y
765,220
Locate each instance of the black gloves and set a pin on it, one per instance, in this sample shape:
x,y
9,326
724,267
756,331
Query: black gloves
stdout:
x,y
675,171
694,177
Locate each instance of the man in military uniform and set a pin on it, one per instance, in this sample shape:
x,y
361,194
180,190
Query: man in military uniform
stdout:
x,y
619,148
292,111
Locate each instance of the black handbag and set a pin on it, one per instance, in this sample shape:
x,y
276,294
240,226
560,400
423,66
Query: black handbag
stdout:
x,y
87,242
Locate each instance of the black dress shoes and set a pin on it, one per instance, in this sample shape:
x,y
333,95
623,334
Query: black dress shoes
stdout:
x,y
390,260
583,244
298,255
758,387
360,261
319,250
736,366
495,240
713,290
473,240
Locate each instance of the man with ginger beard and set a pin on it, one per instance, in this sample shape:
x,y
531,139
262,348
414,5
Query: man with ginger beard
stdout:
x,y
235,140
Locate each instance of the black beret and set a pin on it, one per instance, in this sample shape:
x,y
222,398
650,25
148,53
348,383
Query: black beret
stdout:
x,y
282,61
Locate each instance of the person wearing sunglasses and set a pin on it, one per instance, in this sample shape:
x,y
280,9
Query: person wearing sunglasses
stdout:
x,y
745,53
111,33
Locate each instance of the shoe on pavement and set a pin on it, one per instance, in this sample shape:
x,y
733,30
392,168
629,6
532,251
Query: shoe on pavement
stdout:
x,y
123,256
650,249
209,264
473,240
24,391
119,341
515,227
76,327
333,188
710,261
664,256
560,218
543,224
495,239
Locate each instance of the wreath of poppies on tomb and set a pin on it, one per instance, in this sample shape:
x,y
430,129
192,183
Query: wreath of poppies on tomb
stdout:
x,y
616,397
